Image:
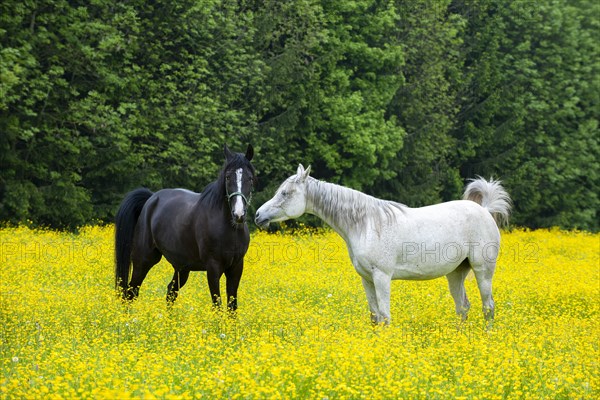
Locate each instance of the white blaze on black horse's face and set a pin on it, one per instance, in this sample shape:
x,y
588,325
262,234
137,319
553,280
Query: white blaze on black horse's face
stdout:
x,y
239,182
289,201
239,207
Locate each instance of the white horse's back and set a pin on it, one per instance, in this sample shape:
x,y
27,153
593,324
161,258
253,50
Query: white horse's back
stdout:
x,y
427,242
460,217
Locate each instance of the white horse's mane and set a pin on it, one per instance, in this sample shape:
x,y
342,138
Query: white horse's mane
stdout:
x,y
349,208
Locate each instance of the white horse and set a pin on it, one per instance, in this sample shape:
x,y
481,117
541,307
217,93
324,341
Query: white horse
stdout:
x,y
388,240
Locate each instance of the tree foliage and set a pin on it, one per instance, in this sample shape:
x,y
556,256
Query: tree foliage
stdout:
x,y
401,99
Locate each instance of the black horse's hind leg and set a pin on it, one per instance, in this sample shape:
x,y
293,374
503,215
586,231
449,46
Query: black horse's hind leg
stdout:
x,y
141,266
233,275
179,279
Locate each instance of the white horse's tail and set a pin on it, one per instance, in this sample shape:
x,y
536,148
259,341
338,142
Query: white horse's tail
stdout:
x,y
491,196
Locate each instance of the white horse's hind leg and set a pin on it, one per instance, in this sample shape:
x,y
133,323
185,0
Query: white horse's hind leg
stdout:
x,y
456,284
372,299
484,282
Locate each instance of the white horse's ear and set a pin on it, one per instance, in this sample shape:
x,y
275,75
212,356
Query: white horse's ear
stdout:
x,y
306,172
302,173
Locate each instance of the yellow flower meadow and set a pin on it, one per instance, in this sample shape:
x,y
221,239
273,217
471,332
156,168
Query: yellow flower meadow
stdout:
x,y
302,329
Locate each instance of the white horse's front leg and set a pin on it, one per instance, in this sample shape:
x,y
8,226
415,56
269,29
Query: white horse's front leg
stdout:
x,y
372,299
382,284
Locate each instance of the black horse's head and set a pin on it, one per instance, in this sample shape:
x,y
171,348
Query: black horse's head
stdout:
x,y
239,179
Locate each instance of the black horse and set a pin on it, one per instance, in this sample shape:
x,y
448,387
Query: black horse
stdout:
x,y
194,231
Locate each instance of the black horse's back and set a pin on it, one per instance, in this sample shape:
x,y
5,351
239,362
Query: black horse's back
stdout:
x,y
125,222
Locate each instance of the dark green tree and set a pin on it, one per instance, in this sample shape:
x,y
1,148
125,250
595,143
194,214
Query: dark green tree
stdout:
x,y
426,103
401,99
530,107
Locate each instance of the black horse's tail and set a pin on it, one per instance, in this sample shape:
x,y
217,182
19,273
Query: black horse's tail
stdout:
x,y
125,223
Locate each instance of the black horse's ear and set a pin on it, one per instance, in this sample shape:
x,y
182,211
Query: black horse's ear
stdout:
x,y
249,152
228,153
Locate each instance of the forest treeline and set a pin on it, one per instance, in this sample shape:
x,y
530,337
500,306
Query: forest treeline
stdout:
x,y
404,100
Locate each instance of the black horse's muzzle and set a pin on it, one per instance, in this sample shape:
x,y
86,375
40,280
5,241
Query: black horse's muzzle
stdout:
x,y
239,219
238,215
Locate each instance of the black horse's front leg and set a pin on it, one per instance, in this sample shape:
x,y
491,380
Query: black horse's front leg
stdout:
x,y
233,275
131,293
213,275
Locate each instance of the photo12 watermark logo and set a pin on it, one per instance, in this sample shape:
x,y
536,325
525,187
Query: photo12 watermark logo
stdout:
x,y
292,252
51,252
455,252
277,252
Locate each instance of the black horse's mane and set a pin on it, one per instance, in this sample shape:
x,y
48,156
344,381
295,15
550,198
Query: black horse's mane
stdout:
x,y
213,194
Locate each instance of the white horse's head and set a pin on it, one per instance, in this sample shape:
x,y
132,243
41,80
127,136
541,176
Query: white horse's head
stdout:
x,y
289,201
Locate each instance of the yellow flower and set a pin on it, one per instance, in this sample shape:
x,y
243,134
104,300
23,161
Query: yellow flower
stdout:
x,y
302,329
